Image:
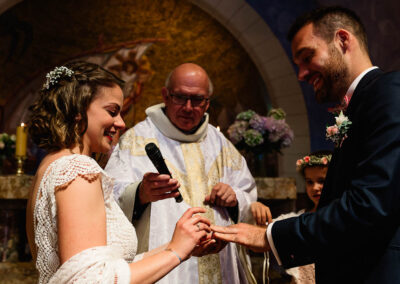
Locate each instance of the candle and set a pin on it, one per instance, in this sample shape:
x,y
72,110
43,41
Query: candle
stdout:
x,y
218,129
22,137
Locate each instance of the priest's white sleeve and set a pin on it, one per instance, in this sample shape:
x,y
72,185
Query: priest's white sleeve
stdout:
x,y
246,191
119,167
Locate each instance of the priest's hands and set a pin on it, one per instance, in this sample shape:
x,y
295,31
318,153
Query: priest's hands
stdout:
x,y
222,195
250,236
261,213
156,187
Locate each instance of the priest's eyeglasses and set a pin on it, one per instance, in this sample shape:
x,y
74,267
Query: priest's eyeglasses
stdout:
x,y
195,101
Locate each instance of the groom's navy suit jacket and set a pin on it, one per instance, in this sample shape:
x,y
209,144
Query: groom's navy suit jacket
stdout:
x,y
354,237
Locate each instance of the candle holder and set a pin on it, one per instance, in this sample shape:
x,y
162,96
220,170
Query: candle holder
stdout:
x,y
20,165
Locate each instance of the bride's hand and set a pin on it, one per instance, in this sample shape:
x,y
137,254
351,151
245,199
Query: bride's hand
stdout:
x,y
209,246
190,230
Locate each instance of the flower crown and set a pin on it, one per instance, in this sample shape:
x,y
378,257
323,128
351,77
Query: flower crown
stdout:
x,y
54,76
313,161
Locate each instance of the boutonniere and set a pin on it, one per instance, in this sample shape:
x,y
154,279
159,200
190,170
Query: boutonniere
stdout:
x,y
338,132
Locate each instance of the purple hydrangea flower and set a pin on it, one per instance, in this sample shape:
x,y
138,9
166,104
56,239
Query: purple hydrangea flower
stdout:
x,y
269,124
257,122
254,132
287,138
236,131
277,129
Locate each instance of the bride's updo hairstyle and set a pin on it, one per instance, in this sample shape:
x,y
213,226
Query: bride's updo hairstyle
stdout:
x,y
58,117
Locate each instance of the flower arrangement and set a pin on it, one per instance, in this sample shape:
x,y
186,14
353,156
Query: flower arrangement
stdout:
x,y
313,161
338,132
7,148
261,134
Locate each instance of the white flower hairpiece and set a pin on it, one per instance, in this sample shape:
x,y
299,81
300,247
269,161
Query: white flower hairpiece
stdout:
x,y
53,77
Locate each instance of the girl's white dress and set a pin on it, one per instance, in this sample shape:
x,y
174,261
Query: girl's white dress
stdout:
x,y
103,264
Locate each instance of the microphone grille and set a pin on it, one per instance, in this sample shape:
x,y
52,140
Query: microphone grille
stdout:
x,y
152,150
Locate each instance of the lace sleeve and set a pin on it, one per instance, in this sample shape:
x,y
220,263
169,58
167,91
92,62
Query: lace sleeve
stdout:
x,y
90,266
84,167
63,172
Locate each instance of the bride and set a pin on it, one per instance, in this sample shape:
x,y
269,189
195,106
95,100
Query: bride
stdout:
x,y
76,231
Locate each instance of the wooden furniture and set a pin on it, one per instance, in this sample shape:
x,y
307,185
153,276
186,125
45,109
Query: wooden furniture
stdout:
x,y
278,193
18,272
15,187
15,260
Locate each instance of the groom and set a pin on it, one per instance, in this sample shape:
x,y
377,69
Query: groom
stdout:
x,y
354,237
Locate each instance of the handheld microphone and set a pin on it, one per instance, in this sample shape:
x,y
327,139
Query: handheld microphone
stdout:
x,y
158,161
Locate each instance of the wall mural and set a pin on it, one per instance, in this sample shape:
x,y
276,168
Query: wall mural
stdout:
x,y
141,41
126,60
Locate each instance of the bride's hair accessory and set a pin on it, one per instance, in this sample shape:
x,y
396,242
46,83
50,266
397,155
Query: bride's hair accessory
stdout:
x,y
53,77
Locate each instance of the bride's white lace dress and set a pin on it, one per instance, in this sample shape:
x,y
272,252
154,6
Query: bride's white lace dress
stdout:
x,y
105,264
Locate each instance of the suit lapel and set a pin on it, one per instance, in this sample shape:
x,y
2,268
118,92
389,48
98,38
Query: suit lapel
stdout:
x,y
368,78
340,167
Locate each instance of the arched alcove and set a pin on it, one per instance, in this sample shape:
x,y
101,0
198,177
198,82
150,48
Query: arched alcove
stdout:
x,y
274,66
249,44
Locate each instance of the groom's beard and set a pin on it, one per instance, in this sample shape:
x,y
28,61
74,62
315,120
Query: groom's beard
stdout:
x,y
335,78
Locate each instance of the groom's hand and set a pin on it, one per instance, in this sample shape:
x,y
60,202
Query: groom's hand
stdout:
x,y
252,237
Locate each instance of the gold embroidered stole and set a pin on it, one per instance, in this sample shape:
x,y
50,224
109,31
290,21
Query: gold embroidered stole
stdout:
x,y
135,144
194,190
196,183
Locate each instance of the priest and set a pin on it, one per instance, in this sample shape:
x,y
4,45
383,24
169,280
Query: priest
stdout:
x,y
207,171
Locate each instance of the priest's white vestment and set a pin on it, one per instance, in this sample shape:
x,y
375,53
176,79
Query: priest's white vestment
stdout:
x,y
198,161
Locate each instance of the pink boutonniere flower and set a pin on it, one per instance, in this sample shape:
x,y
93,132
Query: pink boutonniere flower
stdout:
x,y
338,132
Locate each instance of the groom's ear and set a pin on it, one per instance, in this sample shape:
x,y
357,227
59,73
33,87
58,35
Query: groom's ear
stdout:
x,y
343,39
